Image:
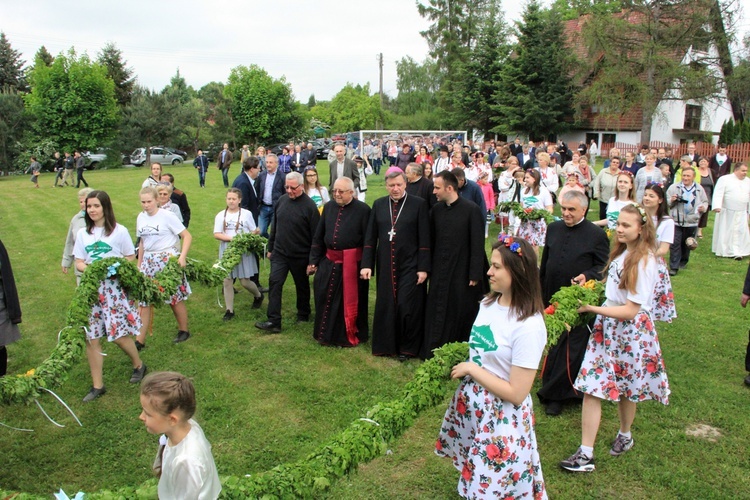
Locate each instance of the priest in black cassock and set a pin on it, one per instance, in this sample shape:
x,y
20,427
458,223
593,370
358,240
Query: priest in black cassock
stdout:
x,y
576,251
397,247
335,258
459,265
418,185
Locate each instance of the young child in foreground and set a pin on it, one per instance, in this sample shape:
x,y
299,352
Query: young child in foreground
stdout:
x,y
184,463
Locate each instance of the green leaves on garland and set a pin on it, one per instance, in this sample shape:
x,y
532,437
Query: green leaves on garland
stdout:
x,y
54,370
562,315
525,214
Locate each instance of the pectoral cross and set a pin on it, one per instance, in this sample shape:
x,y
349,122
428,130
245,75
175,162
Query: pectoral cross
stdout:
x,y
391,234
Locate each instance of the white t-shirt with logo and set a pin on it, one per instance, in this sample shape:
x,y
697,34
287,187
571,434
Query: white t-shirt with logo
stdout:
x,y
94,246
159,232
498,340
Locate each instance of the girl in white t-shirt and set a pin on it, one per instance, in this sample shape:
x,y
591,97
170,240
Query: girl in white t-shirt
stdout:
x,y
314,189
655,204
488,429
228,223
534,196
184,463
160,232
154,178
625,196
114,315
623,361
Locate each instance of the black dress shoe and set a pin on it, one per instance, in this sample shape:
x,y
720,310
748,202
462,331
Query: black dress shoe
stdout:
x,y
268,326
182,336
554,408
258,301
139,346
303,319
747,381
228,316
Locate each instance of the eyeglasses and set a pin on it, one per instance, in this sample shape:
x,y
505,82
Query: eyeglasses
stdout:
x,y
291,188
340,191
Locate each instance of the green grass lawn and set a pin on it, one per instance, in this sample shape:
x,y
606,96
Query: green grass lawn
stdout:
x,y
268,399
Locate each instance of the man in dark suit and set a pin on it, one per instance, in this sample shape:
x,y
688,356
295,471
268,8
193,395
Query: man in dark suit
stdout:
x,y
525,159
247,182
270,188
311,157
223,163
342,167
720,164
299,159
516,148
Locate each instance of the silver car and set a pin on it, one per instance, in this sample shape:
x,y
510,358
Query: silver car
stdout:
x,y
158,155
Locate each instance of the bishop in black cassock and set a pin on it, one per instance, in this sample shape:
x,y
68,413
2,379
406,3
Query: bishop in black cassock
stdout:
x,y
340,295
397,246
458,258
575,248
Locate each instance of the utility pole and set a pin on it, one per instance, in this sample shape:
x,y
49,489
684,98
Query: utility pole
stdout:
x,y
380,64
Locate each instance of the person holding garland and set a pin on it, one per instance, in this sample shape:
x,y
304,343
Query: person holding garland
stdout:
x,y
160,232
655,205
623,361
534,196
228,223
488,429
113,315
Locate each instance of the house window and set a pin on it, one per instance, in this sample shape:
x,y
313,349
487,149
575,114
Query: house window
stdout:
x,y
609,138
693,117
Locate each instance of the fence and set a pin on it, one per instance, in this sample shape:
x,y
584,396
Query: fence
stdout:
x,y
737,152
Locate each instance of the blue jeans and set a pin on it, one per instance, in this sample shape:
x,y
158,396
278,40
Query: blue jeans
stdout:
x,y
225,176
202,176
264,219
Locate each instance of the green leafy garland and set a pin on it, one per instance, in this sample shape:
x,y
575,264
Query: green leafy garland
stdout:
x,y
53,371
362,441
525,214
562,315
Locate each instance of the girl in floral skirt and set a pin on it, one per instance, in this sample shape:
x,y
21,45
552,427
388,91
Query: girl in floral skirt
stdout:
x,y
623,360
114,315
488,430
160,232
655,204
534,196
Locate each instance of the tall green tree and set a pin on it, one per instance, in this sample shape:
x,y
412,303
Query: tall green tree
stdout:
x,y
44,55
535,94
352,108
637,58
11,66
263,108
218,116
474,94
111,58
14,123
573,9
151,118
73,102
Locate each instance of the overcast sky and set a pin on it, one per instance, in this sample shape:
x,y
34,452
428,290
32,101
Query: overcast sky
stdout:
x,y
318,45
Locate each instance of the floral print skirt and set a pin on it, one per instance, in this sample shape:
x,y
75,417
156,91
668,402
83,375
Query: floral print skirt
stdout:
x,y
152,263
533,231
492,443
662,308
623,359
114,314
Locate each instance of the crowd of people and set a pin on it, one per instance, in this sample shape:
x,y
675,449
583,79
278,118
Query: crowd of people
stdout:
x,y
423,244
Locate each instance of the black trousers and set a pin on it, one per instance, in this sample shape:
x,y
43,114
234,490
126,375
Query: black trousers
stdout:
x,y
602,210
679,253
747,354
80,178
281,266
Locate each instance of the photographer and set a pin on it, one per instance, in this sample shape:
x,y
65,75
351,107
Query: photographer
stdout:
x,y
687,201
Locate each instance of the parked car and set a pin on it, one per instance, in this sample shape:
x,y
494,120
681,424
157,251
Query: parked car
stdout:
x,y
321,148
158,155
278,148
93,159
175,151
